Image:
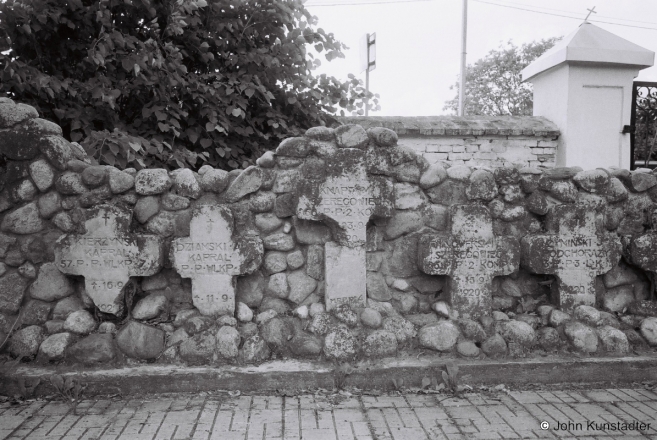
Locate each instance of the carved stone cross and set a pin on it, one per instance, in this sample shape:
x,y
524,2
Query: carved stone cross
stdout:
x,y
212,256
471,256
574,251
345,198
107,255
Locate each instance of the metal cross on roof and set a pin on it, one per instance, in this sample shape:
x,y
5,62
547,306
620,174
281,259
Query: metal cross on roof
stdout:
x,y
591,11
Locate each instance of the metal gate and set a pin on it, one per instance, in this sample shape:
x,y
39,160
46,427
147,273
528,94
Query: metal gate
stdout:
x,y
643,128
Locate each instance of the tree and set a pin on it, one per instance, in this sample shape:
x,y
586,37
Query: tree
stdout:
x,y
494,85
173,82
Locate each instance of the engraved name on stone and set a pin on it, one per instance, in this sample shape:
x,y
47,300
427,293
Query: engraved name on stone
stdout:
x,y
207,257
349,204
574,251
346,199
106,255
471,256
212,256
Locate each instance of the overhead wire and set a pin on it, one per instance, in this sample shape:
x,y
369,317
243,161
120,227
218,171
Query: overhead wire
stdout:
x,y
376,2
575,12
381,2
565,16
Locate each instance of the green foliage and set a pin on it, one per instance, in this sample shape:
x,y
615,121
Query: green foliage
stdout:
x,y
494,84
70,389
451,377
27,387
173,83
340,374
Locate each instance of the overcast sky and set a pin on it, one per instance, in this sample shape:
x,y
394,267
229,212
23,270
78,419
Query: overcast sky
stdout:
x,y
418,41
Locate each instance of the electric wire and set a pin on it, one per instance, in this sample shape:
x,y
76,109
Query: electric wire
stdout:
x,y
575,12
379,2
565,16
366,3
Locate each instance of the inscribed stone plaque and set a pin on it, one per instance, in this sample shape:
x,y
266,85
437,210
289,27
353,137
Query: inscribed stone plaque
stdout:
x,y
574,251
345,198
471,256
212,256
344,270
107,255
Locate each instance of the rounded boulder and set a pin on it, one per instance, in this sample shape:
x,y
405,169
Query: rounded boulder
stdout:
x,y
80,322
228,342
380,343
340,344
441,336
582,337
140,341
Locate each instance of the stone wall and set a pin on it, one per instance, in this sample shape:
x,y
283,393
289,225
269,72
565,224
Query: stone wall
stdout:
x,y
339,245
492,141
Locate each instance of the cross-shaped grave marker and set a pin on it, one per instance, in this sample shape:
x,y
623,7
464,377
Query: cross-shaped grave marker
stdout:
x,y
345,198
212,256
574,251
107,255
471,256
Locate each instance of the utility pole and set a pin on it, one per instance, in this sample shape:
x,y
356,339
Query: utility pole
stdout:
x,y
367,90
464,38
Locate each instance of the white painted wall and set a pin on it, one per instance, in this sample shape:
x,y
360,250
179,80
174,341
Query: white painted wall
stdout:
x,y
551,100
600,104
589,103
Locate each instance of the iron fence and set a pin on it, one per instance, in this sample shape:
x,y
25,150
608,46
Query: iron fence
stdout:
x,y
643,135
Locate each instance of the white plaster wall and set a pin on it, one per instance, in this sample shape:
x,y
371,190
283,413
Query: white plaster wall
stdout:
x,y
599,105
551,101
590,104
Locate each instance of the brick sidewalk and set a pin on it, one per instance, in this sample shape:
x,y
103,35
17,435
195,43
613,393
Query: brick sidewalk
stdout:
x,y
516,414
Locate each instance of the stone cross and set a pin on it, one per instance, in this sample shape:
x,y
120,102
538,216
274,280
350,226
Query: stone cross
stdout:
x,y
212,256
471,256
574,251
107,255
346,199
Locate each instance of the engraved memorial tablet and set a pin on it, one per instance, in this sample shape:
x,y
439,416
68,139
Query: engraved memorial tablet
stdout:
x,y
107,255
212,256
471,256
574,251
345,199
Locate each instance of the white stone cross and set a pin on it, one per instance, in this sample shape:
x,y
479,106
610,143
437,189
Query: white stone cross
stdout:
x,y
212,256
346,199
107,255
471,256
575,252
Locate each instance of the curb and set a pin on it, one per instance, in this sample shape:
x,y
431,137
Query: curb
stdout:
x,y
293,375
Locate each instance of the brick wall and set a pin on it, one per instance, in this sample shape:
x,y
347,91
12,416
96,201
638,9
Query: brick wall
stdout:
x,y
474,140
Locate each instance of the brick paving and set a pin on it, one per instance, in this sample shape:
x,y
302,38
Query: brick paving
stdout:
x,y
501,415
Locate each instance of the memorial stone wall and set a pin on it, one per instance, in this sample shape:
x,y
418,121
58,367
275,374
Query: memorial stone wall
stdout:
x,y
340,245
